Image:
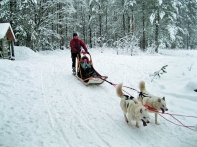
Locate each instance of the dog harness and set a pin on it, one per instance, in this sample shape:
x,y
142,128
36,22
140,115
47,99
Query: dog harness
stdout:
x,y
142,95
150,108
129,97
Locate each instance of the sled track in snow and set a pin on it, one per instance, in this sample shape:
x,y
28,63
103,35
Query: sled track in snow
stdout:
x,y
48,92
53,92
68,92
64,107
77,109
82,116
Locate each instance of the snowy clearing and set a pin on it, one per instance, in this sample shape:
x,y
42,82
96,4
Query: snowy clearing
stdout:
x,y
43,105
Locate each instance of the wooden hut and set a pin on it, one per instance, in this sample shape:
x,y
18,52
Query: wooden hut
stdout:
x,y
6,41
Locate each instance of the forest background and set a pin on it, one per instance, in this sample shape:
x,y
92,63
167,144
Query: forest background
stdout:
x,y
124,24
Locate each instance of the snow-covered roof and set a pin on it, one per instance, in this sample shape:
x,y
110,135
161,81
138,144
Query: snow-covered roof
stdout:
x,y
6,28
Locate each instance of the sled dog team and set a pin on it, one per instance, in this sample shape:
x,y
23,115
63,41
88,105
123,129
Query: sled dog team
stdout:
x,y
136,109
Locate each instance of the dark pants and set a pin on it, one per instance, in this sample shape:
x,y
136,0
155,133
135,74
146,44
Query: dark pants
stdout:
x,y
74,56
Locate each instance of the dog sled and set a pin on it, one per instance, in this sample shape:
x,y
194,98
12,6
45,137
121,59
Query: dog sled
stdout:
x,y
86,72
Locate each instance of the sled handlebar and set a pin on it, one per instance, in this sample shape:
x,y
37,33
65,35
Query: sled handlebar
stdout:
x,y
84,52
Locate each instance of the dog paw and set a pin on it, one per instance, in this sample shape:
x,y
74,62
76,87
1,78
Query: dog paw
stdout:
x,y
137,125
156,123
127,121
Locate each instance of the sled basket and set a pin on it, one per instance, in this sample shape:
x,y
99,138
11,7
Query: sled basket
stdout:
x,y
86,72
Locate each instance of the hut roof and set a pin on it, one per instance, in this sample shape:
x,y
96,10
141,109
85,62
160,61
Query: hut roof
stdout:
x,y
6,30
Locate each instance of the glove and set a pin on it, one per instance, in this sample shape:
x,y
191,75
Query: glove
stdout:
x,y
87,52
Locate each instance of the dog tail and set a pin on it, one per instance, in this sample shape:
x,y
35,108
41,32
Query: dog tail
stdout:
x,y
142,86
119,91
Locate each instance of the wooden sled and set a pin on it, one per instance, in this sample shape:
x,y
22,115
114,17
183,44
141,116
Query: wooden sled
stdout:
x,y
86,72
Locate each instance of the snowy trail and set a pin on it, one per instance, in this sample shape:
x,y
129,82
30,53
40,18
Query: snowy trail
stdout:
x,y
81,108
60,89
42,104
53,102
76,111
57,91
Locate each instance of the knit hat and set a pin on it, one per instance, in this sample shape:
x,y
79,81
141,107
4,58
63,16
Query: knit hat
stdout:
x,y
75,34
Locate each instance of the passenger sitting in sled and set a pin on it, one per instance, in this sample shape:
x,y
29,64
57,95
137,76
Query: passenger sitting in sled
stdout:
x,y
87,70
85,63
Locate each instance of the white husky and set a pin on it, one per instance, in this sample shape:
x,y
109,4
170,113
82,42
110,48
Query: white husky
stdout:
x,y
151,101
132,108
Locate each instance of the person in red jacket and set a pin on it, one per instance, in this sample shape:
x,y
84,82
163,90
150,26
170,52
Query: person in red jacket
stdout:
x,y
75,44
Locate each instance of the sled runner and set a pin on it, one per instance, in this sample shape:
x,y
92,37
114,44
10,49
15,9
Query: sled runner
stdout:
x,y
86,72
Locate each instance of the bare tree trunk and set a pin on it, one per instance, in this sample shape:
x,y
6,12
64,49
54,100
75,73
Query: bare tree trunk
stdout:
x,y
66,33
157,32
90,30
106,21
60,27
123,18
100,24
143,27
90,37
132,21
123,22
129,24
12,10
84,24
188,35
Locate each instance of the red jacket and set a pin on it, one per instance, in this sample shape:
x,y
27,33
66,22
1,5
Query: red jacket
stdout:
x,y
76,45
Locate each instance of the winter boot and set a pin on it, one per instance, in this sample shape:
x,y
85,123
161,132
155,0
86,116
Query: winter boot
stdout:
x,y
74,70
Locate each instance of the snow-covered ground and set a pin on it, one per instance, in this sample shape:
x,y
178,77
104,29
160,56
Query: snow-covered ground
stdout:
x,y
43,105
